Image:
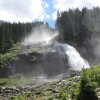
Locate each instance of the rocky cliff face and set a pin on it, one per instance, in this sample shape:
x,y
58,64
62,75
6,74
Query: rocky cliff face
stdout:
x,y
43,62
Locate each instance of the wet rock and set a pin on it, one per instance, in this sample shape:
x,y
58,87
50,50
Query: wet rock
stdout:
x,y
1,91
53,90
98,93
20,88
2,88
38,93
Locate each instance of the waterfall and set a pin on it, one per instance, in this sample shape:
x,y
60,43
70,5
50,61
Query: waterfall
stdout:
x,y
75,61
46,43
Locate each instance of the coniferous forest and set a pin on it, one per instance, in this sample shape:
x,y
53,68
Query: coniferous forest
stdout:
x,y
12,33
80,28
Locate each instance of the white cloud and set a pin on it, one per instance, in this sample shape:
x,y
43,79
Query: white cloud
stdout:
x,y
29,10
54,15
94,2
63,5
23,10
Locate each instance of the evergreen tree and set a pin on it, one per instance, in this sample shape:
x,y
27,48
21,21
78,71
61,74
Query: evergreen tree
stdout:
x,y
87,88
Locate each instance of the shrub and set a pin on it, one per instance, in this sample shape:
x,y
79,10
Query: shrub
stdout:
x,y
75,91
24,96
2,83
63,95
87,88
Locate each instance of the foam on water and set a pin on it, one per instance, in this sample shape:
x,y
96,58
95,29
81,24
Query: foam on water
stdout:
x,y
75,61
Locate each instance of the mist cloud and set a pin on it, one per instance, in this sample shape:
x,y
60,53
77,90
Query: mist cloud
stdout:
x,y
40,34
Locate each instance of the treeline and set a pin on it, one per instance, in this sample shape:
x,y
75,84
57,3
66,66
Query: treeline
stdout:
x,y
80,27
11,33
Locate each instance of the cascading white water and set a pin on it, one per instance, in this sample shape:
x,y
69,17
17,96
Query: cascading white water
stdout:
x,y
75,61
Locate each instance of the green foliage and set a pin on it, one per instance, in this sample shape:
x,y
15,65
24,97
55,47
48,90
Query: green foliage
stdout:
x,y
6,58
2,83
16,80
51,98
63,95
87,88
13,98
94,74
13,80
24,96
74,89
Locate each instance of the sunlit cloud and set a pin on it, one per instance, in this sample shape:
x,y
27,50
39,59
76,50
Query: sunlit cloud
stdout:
x,y
23,10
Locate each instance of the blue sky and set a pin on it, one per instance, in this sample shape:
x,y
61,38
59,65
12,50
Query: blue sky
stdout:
x,y
40,10
50,10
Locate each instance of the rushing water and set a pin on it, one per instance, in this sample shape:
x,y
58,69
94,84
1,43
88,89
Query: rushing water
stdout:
x,y
75,61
